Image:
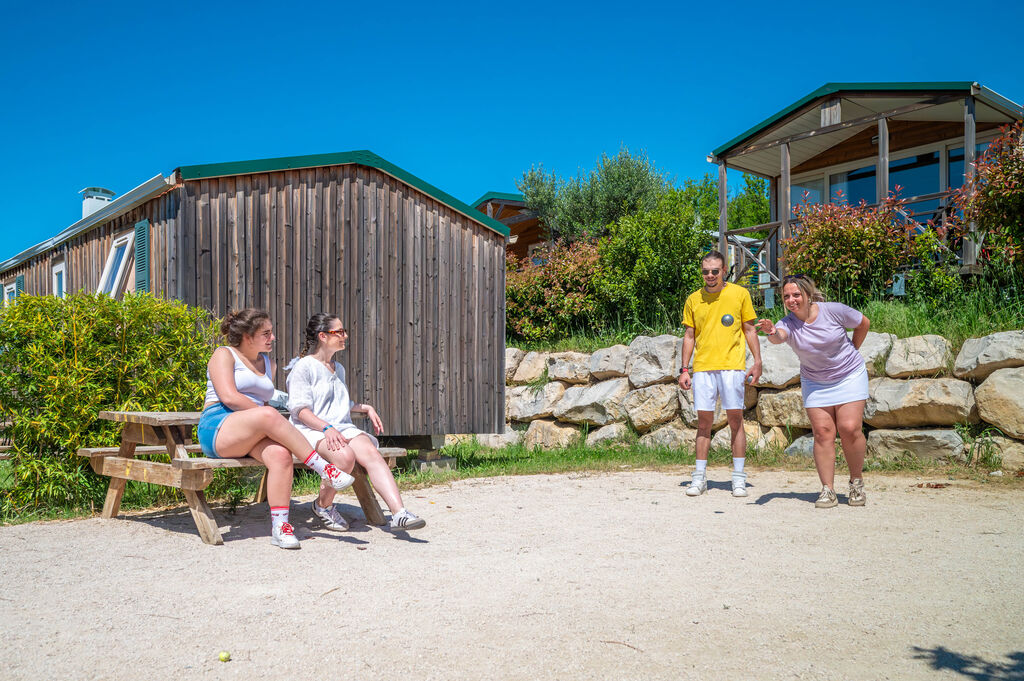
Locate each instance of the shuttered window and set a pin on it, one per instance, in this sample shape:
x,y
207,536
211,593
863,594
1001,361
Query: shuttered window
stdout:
x,y
142,255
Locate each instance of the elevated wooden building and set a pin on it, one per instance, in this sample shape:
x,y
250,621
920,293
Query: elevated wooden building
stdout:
x,y
854,141
525,231
417,276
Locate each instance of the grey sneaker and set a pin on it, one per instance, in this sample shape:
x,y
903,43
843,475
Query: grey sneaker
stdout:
x,y
827,498
284,536
330,517
856,497
404,520
739,484
698,485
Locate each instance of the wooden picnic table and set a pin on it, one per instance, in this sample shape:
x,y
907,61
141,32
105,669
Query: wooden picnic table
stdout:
x,y
147,433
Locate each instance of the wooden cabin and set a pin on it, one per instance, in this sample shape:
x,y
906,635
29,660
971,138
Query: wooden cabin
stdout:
x,y
526,234
417,276
860,139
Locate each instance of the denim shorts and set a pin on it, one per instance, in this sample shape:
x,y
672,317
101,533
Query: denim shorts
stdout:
x,y
209,425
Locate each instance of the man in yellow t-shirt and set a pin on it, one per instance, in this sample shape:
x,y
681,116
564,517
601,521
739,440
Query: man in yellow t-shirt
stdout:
x,y
718,318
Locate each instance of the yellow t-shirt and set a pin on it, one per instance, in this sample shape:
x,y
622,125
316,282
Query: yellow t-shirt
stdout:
x,y
719,345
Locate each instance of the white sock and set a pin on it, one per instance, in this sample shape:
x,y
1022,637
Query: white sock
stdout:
x,y
702,465
278,516
319,464
737,464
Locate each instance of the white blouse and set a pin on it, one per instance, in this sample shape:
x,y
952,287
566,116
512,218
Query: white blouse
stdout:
x,y
312,386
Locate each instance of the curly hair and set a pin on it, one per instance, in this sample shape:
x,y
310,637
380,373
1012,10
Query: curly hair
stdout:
x,y
242,323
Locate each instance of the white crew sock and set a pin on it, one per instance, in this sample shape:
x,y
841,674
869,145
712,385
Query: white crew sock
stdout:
x,y
321,465
278,516
702,465
737,464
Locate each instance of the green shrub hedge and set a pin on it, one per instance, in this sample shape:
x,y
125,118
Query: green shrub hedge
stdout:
x,y
62,361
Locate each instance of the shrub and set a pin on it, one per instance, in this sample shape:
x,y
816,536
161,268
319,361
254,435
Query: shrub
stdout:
x,y
650,261
854,252
553,298
62,361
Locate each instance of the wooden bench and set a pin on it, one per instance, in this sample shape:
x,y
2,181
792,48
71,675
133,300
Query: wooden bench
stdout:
x,y
155,433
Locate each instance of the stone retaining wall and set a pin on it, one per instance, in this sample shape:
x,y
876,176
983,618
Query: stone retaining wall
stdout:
x,y
919,389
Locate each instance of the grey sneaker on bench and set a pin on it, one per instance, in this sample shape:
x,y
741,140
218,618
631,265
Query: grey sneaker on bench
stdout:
x,y
284,536
698,485
827,498
330,517
856,496
338,478
404,520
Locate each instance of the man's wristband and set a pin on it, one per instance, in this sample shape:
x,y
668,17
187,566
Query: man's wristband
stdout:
x,y
326,427
684,370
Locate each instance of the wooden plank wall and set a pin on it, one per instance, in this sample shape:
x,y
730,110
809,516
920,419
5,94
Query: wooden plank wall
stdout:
x,y
419,286
85,255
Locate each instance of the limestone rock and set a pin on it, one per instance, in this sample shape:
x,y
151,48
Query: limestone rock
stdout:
x,y
609,362
596,405
530,368
513,356
452,439
749,396
804,446
610,434
525,403
1010,451
780,367
919,402
723,438
1001,401
782,408
654,360
875,345
689,414
774,437
924,444
510,437
979,357
571,367
918,356
672,435
650,406
550,435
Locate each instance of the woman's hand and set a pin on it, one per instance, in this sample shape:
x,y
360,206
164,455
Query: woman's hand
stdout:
x,y
335,440
371,414
765,326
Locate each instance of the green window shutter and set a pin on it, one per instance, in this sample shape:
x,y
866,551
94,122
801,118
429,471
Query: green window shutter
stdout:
x,y
142,255
19,285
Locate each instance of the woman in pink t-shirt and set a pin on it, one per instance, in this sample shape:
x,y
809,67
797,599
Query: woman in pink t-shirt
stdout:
x,y
833,379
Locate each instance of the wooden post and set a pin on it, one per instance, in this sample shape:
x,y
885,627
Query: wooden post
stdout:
x,y
970,257
773,215
882,171
723,211
784,212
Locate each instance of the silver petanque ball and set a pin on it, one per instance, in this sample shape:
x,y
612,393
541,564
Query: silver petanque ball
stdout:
x,y
727,320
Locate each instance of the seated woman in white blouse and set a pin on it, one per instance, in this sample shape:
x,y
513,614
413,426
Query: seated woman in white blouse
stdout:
x,y
322,410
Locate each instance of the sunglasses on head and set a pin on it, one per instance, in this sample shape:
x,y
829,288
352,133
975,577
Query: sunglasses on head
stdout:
x,y
713,272
791,277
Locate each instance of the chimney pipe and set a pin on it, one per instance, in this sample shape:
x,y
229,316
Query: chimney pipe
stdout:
x,y
94,198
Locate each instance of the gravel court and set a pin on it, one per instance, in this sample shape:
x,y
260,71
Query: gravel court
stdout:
x,y
590,576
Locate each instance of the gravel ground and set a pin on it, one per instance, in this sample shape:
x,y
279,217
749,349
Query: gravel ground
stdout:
x,y
581,576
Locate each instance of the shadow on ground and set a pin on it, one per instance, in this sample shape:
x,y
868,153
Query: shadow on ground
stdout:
x,y
972,666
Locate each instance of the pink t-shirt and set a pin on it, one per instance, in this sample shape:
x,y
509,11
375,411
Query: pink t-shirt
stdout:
x,y
826,353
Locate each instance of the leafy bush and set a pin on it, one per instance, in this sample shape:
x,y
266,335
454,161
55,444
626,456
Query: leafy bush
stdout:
x,y
994,199
854,252
650,261
555,298
62,361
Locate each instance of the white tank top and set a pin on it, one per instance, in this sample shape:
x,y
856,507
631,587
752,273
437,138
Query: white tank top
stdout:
x,y
257,387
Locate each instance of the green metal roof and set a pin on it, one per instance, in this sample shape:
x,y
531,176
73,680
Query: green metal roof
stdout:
x,y
362,157
833,88
498,196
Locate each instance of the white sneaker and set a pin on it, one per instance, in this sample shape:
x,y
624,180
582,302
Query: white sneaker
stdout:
x,y
338,478
404,520
330,517
698,485
739,484
284,536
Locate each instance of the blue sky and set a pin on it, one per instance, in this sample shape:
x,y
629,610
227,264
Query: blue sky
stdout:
x,y
466,96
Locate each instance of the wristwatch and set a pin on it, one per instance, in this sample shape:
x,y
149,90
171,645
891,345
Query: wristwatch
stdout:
x,y
684,370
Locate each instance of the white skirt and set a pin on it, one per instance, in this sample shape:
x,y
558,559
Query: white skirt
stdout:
x,y
850,389
348,431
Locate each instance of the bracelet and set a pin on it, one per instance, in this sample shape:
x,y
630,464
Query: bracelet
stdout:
x,y
685,370
773,331
326,427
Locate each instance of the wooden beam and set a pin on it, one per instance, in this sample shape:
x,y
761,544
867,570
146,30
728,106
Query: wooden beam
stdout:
x,y
970,257
853,123
831,112
723,210
882,169
516,219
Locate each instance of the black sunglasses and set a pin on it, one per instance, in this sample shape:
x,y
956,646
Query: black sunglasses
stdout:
x,y
790,277
713,272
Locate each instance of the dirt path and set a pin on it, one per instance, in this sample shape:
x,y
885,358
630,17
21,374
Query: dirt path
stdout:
x,y
605,576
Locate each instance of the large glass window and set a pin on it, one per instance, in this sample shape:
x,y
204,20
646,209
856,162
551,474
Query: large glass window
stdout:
x,y
917,176
956,164
853,186
59,279
113,271
813,191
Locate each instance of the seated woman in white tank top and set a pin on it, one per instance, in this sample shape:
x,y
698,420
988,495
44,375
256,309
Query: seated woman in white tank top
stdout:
x,y
236,421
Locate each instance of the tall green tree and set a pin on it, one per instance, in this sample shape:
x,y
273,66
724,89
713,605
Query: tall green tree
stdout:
x,y
751,205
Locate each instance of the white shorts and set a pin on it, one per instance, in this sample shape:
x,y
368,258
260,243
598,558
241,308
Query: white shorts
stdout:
x,y
347,432
709,386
